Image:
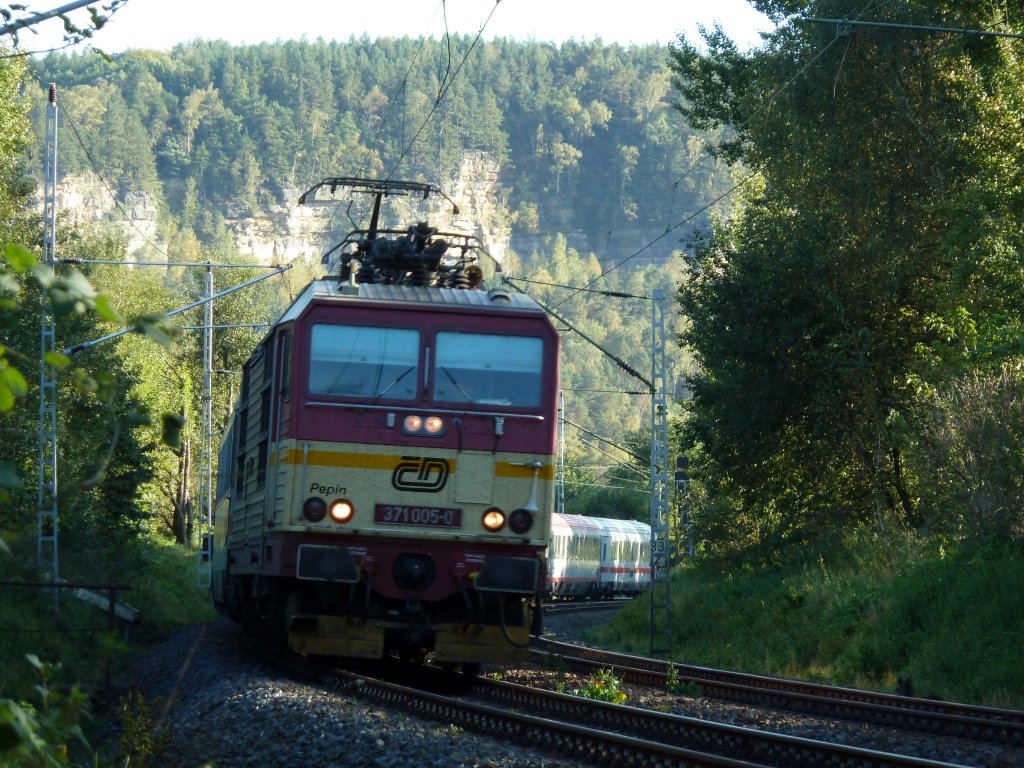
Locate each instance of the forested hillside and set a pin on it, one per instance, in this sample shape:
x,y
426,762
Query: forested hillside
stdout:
x,y
584,133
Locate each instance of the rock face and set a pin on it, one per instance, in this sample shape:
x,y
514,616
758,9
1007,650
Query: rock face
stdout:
x,y
82,199
477,191
284,234
291,231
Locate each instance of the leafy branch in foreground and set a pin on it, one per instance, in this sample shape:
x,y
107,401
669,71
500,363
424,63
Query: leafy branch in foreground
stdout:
x,y
39,735
68,294
74,33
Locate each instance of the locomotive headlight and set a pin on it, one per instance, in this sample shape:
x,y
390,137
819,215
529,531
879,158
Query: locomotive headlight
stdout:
x,y
493,519
314,509
342,510
432,426
520,520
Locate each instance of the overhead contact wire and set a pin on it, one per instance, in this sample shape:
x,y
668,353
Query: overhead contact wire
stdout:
x,y
95,167
442,91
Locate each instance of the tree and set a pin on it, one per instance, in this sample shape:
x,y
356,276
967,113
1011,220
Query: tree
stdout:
x,y
101,412
628,157
565,156
854,280
18,17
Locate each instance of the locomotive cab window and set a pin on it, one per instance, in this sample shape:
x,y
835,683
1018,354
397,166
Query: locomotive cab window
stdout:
x,y
486,369
359,361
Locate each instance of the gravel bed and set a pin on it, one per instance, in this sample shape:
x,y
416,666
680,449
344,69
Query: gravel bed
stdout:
x,y
207,704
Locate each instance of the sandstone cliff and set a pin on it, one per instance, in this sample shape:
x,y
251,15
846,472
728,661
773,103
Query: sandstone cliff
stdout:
x,y
289,231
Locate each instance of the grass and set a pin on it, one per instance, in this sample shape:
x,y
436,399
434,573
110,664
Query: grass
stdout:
x,y
54,634
935,623
75,636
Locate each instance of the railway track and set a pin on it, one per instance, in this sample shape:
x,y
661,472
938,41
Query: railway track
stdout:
x,y
659,733
998,726
587,730
553,609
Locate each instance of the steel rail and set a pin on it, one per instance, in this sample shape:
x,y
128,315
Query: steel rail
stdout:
x,y
551,609
614,734
652,726
571,740
1001,726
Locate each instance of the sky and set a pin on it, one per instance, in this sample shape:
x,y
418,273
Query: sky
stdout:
x,y
160,24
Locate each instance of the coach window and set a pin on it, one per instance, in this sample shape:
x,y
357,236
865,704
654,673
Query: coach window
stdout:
x,y
358,361
488,370
261,464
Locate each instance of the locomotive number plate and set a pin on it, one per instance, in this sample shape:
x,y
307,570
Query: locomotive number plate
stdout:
x,y
400,514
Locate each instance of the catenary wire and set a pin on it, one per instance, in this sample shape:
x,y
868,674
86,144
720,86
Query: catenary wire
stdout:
x,y
384,121
69,119
442,92
443,88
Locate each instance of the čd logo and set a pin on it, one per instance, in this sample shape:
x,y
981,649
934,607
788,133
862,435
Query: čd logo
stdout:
x,y
419,473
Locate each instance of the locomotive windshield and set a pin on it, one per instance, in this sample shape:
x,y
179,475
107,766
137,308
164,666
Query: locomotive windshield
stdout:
x,y
488,370
359,361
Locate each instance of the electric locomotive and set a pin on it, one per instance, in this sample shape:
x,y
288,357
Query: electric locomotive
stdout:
x,y
386,481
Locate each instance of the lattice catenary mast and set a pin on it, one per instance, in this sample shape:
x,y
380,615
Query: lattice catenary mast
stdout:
x,y
205,528
46,545
661,593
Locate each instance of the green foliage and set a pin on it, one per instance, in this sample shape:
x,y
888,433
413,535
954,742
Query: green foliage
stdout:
x,y
99,484
15,137
76,30
603,685
170,379
39,734
673,683
164,580
582,130
869,278
142,737
958,647
943,620
164,586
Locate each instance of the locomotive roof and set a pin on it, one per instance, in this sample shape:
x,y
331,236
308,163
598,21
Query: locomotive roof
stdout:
x,y
329,289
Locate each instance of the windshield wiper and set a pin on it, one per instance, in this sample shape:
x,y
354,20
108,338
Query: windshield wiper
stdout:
x,y
401,376
457,385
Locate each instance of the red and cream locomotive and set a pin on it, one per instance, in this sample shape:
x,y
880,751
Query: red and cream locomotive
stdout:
x,y
385,484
